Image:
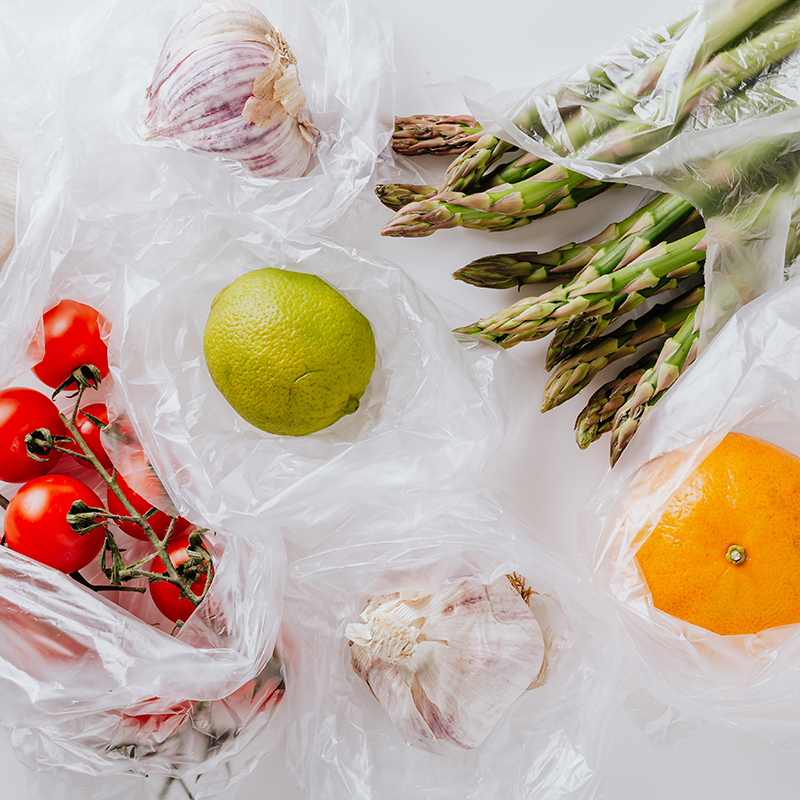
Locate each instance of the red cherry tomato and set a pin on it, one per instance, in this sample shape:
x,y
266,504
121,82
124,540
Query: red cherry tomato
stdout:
x,y
91,433
159,521
157,720
36,523
167,597
71,340
21,412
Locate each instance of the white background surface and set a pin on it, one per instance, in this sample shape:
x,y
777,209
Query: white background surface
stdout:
x,y
512,43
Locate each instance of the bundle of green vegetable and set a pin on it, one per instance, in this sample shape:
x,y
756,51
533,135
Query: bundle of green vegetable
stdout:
x,y
661,248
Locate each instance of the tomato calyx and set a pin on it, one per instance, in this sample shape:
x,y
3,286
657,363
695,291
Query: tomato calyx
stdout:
x,y
84,377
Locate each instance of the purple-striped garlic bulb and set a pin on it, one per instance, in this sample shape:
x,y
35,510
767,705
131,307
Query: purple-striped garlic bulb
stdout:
x,y
447,666
226,82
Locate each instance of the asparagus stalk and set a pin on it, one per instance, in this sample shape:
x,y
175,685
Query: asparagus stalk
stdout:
x,y
578,371
504,271
662,268
468,169
429,134
676,354
397,195
502,208
597,284
597,416
494,208
725,71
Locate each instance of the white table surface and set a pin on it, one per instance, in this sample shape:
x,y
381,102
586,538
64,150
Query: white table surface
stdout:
x,y
511,43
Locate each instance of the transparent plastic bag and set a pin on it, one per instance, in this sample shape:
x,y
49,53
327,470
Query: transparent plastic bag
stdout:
x,y
747,380
98,694
704,106
74,81
341,741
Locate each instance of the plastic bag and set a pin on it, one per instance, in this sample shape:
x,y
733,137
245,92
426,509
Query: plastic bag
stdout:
x,y
659,112
747,380
75,80
340,740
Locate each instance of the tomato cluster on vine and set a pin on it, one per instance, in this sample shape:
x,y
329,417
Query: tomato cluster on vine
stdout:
x,y
58,519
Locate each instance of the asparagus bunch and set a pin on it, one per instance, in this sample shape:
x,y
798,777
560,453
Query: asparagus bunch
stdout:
x,y
605,127
507,270
578,371
619,269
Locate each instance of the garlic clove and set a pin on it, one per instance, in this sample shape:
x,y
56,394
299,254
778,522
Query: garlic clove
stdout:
x,y
8,198
447,666
227,83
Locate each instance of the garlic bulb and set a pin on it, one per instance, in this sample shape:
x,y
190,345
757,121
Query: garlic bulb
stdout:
x,y
447,666
8,198
226,82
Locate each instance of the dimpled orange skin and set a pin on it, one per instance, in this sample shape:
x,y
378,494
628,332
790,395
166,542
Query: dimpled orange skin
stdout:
x,y
747,493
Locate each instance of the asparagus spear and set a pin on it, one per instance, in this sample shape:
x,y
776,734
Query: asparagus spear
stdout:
x,y
397,195
659,269
517,269
533,197
500,208
578,371
597,284
676,354
597,416
429,134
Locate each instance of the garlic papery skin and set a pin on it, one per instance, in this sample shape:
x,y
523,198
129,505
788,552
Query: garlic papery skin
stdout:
x,y
226,82
447,666
8,198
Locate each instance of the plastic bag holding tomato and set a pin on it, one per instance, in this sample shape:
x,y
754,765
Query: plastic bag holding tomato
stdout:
x,y
94,686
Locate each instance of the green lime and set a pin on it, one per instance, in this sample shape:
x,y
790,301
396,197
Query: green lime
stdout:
x,y
287,351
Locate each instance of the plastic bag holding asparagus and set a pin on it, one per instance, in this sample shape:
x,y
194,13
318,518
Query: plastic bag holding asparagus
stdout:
x,y
703,108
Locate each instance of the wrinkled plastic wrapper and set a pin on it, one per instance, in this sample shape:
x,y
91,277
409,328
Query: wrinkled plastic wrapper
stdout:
x,y
724,135
747,380
341,742
75,76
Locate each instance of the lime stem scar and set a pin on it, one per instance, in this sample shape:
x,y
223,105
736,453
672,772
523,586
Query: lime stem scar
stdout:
x,y
736,554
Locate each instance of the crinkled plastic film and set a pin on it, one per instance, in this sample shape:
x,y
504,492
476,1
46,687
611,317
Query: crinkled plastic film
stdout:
x,y
747,380
341,742
706,107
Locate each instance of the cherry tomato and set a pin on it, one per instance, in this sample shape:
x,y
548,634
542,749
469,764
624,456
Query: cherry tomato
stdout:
x,y
167,597
21,412
91,433
71,340
159,521
155,719
36,523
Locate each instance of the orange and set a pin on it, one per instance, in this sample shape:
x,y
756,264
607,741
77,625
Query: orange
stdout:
x,y
726,553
